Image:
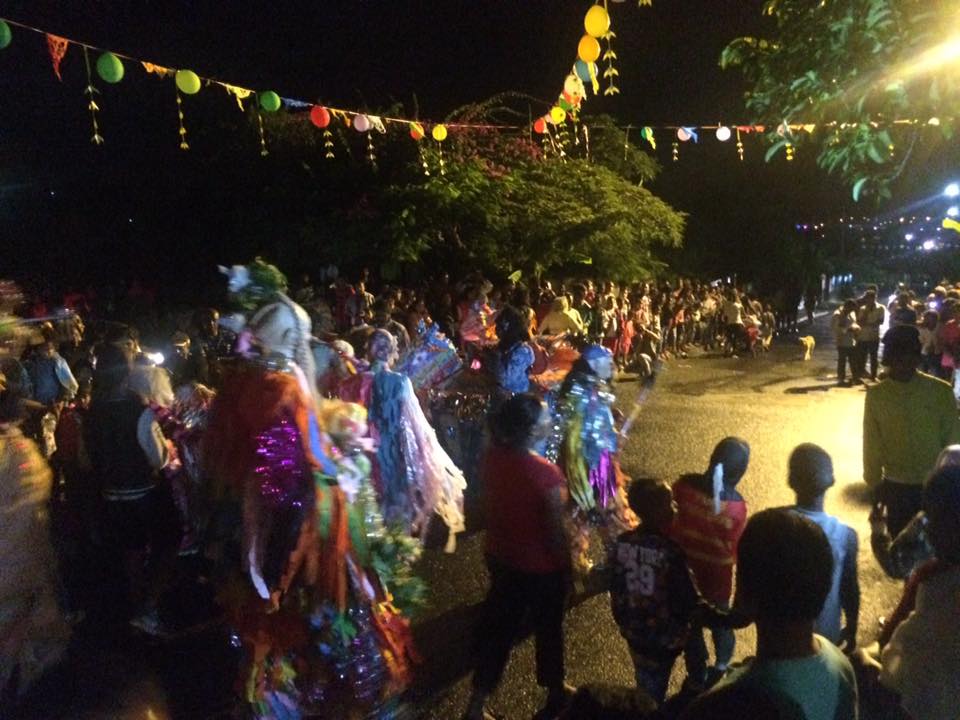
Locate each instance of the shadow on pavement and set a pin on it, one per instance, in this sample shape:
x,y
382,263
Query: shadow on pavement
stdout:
x,y
805,389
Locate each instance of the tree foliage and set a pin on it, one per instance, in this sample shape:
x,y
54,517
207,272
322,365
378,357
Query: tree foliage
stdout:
x,y
852,68
505,202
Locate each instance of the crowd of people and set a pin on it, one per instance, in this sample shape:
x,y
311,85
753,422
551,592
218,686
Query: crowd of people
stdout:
x,y
291,448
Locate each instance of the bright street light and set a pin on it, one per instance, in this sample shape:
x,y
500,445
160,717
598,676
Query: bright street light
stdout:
x,y
952,190
953,211
908,237
929,244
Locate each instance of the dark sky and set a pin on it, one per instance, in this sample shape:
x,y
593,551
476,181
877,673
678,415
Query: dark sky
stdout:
x,y
371,53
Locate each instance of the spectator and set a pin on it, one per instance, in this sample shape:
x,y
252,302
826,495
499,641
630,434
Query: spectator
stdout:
x,y
908,418
652,592
922,657
383,320
845,331
711,515
784,573
870,318
561,319
527,554
810,476
127,450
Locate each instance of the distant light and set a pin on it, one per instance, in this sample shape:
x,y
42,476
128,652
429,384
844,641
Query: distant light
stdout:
x,y
155,357
908,237
935,121
929,244
129,220
723,134
953,211
52,193
952,190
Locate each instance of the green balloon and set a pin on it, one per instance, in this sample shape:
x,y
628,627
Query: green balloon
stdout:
x,y
6,37
269,100
110,68
188,82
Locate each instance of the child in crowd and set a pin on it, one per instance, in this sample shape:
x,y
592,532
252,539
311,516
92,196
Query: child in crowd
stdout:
x,y
652,593
811,475
710,519
784,574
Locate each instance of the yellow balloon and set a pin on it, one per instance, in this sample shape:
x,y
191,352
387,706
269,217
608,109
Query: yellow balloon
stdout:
x,y
439,133
597,21
589,49
558,115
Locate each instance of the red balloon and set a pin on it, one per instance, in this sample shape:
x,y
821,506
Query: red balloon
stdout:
x,y
320,116
540,125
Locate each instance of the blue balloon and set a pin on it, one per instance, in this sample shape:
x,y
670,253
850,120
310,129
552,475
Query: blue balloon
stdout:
x,y
582,70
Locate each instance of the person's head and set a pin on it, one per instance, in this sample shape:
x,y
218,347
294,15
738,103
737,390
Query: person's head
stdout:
x,y
599,359
382,310
784,568
740,700
849,306
941,503
382,347
124,337
180,342
207,322
810,472
512,328
733,454
520,422
902,351
112,370
560,304
609,303
579,294
652,501
904,300
950,455
870,297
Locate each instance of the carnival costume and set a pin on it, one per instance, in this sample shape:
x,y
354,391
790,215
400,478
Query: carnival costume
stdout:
x,y
319,633
584,443
417,476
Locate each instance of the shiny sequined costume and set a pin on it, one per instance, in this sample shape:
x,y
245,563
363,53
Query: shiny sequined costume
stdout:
x,y
320,635
418,478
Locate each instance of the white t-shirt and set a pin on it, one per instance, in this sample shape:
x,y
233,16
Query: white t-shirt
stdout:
x,y
732,312
922,659
870,322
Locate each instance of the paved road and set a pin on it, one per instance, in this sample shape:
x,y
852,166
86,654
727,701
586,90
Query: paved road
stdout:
x,y
774,402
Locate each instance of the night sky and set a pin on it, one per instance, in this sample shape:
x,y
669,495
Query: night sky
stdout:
x,y
436,55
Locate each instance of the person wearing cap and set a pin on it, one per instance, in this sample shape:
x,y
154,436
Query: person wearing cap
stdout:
x,y
711,515
810,476
908,418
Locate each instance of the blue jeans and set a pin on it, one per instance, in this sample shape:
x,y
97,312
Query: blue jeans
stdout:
x,y
653,672
695,652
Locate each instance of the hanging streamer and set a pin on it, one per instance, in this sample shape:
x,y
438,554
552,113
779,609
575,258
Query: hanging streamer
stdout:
x,y
739,145
263,138
647,134
328,144
89,91
371,156
184,145
611,72
57,47
676,151
239,94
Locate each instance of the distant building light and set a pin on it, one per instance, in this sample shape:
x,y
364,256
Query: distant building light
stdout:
x,y
908,237
929,244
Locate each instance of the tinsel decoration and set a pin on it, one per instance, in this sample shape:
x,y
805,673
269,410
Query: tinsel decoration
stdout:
x,y
263,138
626,142
184,145
57,47
328,144
739,145
443,170
676,151
562,139
789,149
89,91
586,142
611,72
423,160
371,155
891,149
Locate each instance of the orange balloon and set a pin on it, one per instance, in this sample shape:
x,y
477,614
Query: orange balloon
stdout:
x,y
589,49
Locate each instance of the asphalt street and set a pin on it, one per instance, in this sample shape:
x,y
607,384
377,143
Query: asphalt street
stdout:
x,y
774,402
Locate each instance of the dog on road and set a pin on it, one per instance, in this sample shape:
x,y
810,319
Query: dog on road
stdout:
x,y
809,345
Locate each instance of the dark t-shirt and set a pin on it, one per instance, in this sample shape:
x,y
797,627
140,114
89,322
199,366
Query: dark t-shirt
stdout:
x,y
652,592
520,529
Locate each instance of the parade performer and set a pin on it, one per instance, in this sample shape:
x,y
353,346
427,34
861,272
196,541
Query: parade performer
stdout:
x,y
319,634
584,444
514,357
417,476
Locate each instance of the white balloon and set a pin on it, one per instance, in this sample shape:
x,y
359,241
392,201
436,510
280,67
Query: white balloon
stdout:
x,y
682,135
723,133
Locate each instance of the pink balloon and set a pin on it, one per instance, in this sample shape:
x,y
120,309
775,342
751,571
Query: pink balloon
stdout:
x,y
361,123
